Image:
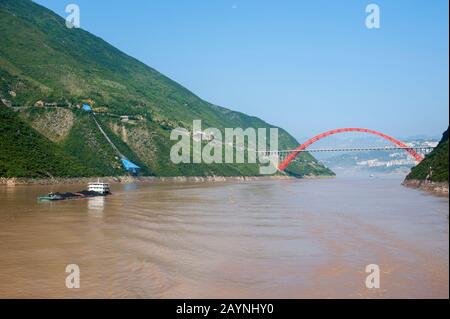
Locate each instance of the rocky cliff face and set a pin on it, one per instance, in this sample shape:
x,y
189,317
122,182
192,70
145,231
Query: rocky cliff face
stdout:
x,y
436,188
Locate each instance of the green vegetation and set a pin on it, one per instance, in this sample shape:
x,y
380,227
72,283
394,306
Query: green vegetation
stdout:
x,y
88,144
434,167
42,61
25,153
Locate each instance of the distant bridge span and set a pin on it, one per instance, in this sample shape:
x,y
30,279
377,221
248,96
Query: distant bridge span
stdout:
x,y
304,146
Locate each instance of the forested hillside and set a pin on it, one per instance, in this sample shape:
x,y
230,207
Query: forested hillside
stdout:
x,y
48,71
434,167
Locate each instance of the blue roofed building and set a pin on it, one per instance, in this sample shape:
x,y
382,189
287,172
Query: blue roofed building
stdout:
x,y
87,108
130,167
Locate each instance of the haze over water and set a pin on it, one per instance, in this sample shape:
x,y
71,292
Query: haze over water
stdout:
x,y
259,239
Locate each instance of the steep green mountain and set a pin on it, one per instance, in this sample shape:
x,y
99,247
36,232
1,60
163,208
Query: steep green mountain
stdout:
x,y
26,153
434,167
47,71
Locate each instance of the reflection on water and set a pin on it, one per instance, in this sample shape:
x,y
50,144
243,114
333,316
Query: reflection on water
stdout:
x,y
291,238
96,204
130,187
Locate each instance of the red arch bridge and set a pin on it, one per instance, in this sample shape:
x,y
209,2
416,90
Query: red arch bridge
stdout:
x,y
287,156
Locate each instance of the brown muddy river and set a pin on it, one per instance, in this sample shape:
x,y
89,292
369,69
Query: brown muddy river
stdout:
x,y
263,239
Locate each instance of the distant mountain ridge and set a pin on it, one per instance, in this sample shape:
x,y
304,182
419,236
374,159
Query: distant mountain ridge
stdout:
x,y
47,71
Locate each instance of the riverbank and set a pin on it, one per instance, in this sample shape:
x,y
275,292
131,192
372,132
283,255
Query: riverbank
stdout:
x,y
440,189
131,179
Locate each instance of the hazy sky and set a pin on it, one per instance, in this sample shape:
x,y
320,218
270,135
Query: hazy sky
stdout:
x,y
307,66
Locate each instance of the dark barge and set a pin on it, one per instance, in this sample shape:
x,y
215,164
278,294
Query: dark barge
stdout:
x,y
94,190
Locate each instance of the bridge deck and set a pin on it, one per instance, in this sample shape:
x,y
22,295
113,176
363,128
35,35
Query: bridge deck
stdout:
x,y
356,149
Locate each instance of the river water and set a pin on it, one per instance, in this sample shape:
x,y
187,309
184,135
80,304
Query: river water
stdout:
x,y
259,239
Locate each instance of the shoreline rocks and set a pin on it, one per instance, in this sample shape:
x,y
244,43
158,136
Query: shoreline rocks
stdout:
x,y
440,189
130,179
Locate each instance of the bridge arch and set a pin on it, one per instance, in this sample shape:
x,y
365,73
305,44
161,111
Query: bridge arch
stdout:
x,y
304,146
